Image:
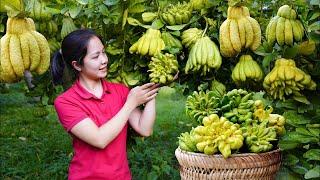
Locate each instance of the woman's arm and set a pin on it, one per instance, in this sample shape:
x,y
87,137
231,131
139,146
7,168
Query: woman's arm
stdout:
x,y
100,137
142,122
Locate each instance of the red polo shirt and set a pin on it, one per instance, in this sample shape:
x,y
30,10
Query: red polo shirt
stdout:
x,y
88,162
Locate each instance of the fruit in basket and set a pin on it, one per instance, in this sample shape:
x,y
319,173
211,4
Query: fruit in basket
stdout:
x,y
187,143
258,137
201,104
217,134
277,121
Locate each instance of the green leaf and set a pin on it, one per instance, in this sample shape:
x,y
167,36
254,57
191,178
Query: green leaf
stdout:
x,y
312,154
133,21
11,4
295,119
110,2
290,52
299,169
291,160
315,2
303,131
261,51
138,8
286,145
313,173
83,2
314,16
267,60
157,24
74,11
314,131
1,27
177,27
314,27
294,136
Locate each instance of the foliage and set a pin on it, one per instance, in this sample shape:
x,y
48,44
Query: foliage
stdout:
x,y
120,24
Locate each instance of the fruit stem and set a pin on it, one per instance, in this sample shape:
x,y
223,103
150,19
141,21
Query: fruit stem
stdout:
x,y
205,30
28,79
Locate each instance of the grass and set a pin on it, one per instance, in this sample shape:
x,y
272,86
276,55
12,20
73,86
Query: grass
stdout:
x,y
39,148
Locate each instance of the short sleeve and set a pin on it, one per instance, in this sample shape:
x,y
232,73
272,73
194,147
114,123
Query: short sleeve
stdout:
x,y
69,113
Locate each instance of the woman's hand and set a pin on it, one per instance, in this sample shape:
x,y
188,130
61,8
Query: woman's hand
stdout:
x,y
142,94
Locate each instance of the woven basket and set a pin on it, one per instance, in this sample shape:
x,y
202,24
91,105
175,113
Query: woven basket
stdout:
x,y
237,166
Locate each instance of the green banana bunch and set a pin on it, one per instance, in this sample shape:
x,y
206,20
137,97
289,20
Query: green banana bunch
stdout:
x,y
246,69
170,41
187,143
150,43
239,31
286,79
54,45
258,137
199,105
199,4
48,27
38,11
204,55
67,27
217,134
149,16
284,27
190,36
218,88
238,108
163,68
277,121
177,14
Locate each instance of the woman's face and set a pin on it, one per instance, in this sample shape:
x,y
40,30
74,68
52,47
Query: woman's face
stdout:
x,y
96,60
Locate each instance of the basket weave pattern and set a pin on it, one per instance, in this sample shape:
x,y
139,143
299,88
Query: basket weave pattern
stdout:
x,y
239,166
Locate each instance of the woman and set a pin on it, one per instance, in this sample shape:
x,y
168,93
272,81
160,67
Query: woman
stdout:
x,y
95,112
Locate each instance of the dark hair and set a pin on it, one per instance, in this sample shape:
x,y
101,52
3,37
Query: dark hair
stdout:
x,y
73,48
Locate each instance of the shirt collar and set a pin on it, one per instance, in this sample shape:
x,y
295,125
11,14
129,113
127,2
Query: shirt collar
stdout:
x,y
81,91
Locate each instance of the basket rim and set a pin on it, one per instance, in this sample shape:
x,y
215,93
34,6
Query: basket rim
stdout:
x,y
232,155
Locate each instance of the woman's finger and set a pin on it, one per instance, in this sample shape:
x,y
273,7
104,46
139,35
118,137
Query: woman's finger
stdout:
x,y
151,92
151,97
145,86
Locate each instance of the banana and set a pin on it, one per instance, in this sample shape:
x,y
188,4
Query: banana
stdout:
x,y
249,33
15,55
5,63
234,35
256,33
142,39
24,44
34,51
271,30
296,30
45,53
145,45
241,72
301,28
153,47
225,42
242,31
288,34
280,30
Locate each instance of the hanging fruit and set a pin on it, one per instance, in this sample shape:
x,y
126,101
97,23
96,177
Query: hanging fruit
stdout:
x,y
284,28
